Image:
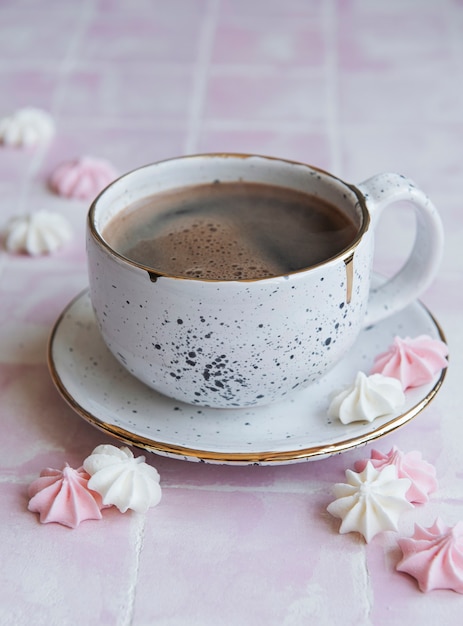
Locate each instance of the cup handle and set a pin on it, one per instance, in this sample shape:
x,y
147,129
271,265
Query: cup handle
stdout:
x,y
419,269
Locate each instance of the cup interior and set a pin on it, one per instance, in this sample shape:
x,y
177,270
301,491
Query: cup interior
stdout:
x,y
208,168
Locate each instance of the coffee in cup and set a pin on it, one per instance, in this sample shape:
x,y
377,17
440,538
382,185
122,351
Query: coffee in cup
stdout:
x,y
231,231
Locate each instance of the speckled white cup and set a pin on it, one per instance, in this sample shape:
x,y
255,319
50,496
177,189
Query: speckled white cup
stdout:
x,y
242,343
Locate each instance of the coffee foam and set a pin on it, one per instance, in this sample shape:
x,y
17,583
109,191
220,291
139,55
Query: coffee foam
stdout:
x,y
205,248
230,231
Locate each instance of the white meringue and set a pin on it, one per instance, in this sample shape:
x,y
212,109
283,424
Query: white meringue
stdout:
x,y
122,479
37,233
27,127
368,398
370,501
411,465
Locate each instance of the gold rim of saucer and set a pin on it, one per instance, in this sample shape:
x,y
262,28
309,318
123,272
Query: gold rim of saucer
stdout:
x,y
267,457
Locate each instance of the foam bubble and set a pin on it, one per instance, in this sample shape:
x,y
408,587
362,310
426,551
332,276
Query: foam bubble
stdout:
x,y
230,231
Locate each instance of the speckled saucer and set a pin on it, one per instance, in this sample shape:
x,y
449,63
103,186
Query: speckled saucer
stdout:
x,y
298,429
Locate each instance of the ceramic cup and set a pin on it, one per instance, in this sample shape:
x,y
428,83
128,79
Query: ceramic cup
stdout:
x,y
246,342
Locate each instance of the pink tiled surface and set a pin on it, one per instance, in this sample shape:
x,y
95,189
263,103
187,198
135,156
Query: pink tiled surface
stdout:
x,y
353,86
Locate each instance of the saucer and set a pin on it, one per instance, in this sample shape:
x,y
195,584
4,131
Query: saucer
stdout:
x,y
99,389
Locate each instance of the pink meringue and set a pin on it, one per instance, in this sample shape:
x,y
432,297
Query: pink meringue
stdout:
x,y
63,496
421,474
83,178
414,362
434,556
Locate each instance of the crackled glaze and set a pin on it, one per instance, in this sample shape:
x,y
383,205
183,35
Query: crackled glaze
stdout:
x,y
234,343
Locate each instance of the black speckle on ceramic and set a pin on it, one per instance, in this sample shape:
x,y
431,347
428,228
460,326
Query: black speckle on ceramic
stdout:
x,y
230,344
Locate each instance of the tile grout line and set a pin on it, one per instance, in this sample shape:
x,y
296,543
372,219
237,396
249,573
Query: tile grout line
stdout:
x,y
218,124
34,166
365,590
41,152
306,489
128,615
201,76
69,58
332,92
455,41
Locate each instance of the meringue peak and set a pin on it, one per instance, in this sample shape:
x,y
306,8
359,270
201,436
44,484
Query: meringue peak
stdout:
x,y
123,480
411,465
434,556
367,398
370,501
37,233
26,127
63,496
413,362
82,178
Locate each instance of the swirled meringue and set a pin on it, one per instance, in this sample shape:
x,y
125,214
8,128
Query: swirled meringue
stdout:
x,y
434,556
414,362
371,501
411,465
83,178
63,496
123,480
27,127
42,232
368,398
